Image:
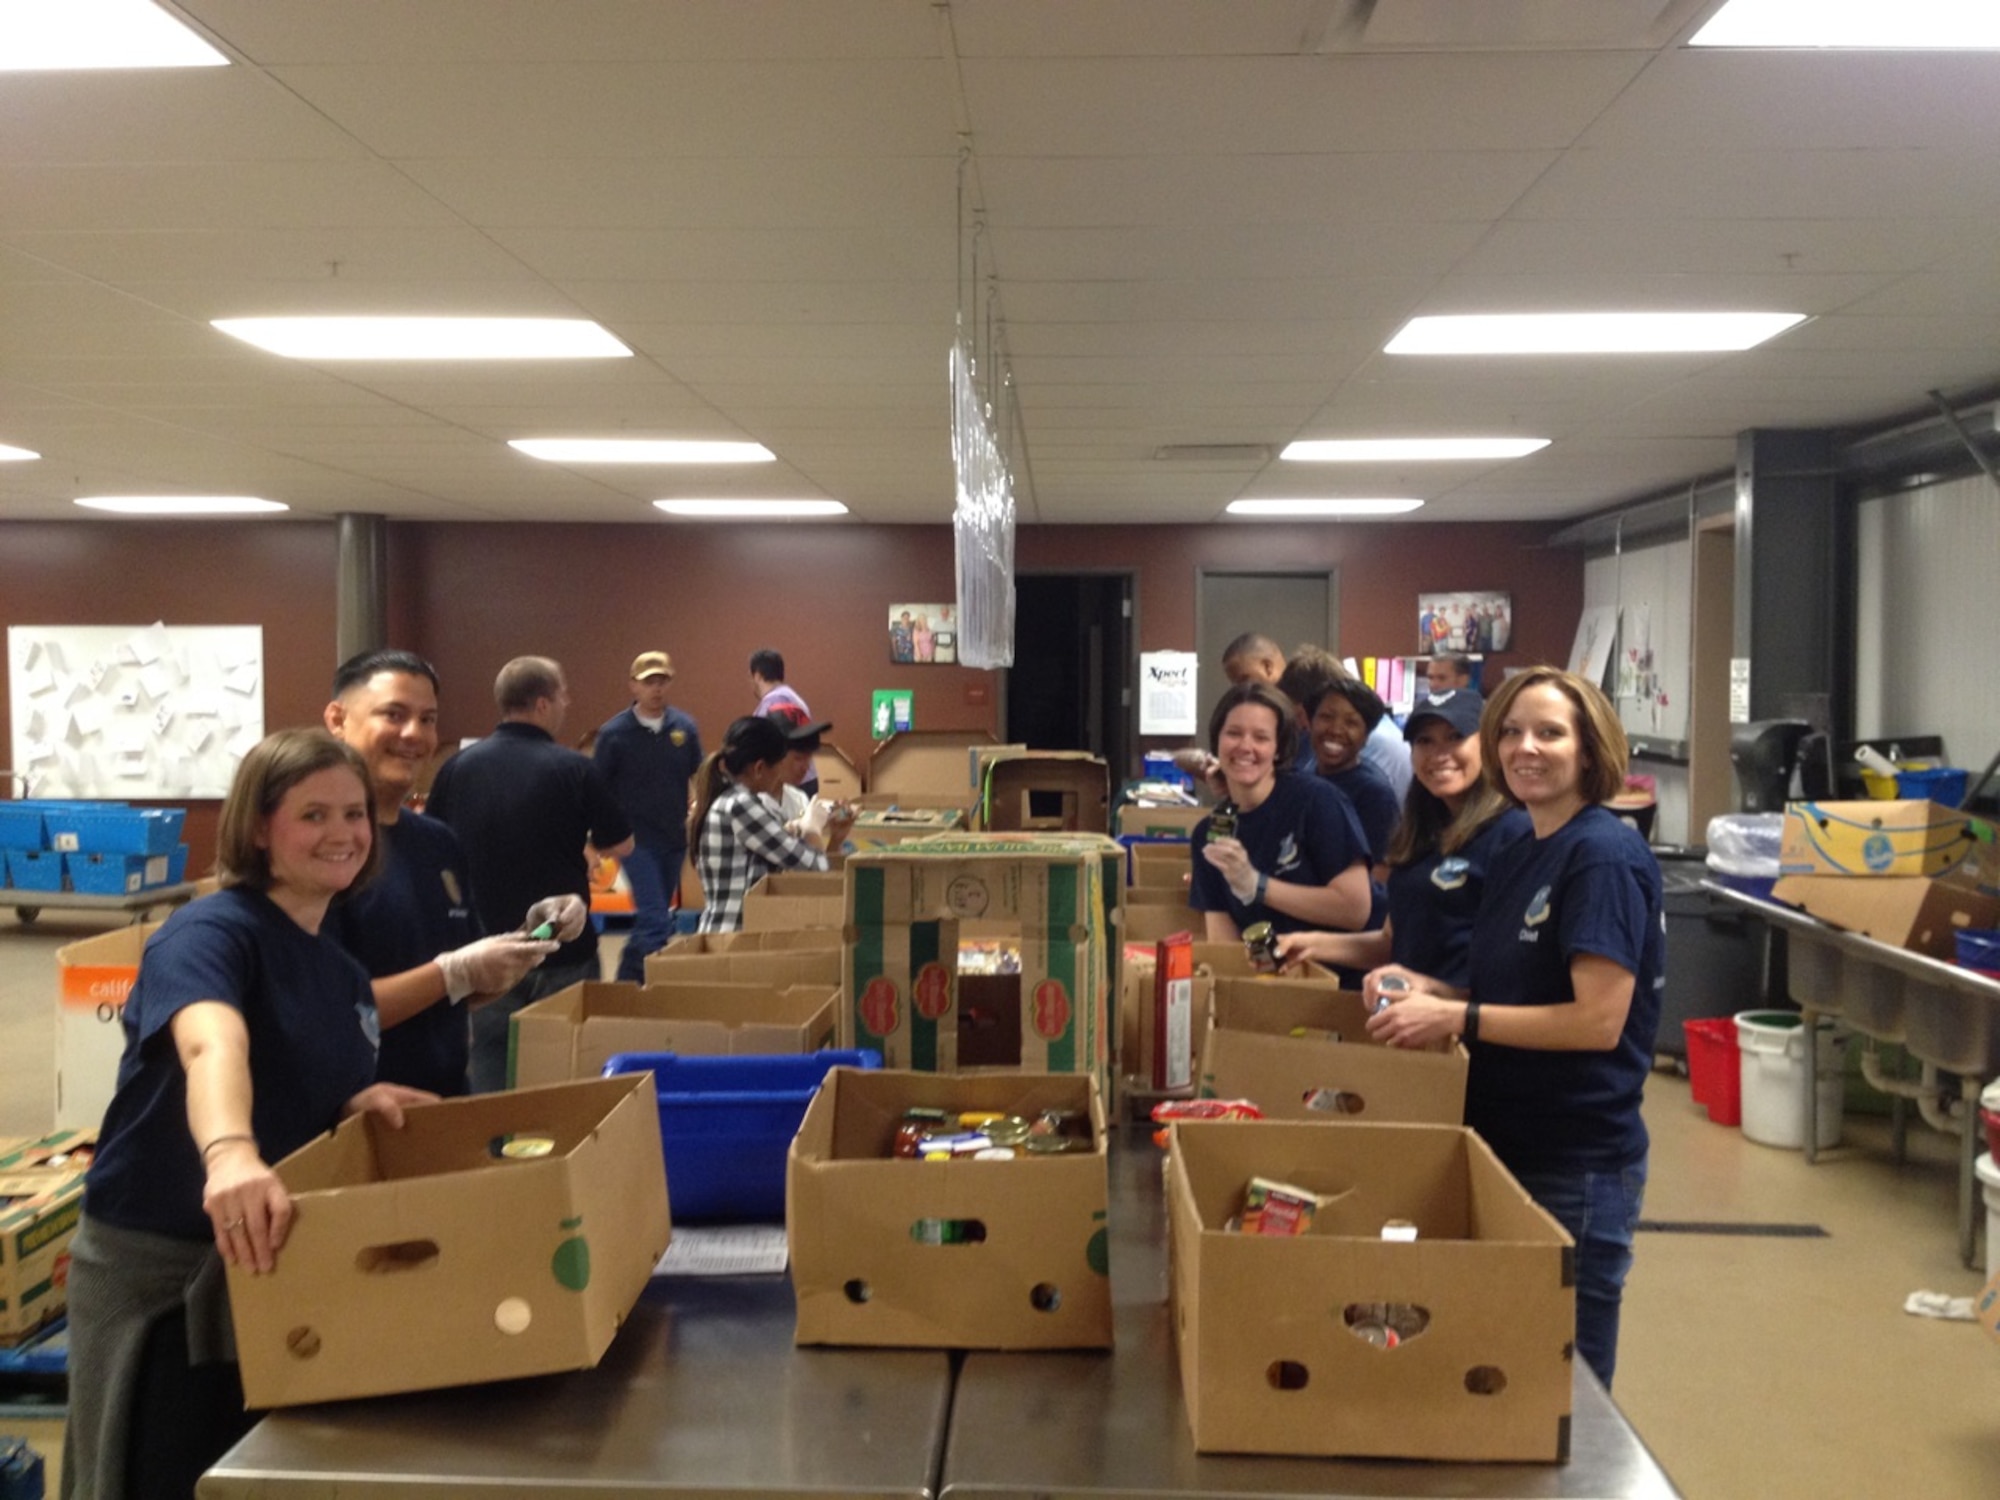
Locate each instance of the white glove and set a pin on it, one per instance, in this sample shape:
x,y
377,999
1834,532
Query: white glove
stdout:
x,y
491,966
568,915
817,816
1243,883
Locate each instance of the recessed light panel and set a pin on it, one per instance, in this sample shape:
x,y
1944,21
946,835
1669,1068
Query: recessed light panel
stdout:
x,y
750,510
640,451
1414,450
74,35
12,455
1937,24
426,338
1590,333
1298,509
182,505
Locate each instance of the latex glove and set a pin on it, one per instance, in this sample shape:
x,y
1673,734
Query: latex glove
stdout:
x,y
1227,855
817,816
568,915
491,966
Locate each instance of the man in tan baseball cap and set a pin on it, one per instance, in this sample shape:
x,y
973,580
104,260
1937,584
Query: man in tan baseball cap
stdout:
x,y
648,755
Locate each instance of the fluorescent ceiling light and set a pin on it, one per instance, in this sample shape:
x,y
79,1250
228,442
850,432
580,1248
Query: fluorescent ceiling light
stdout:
x,y
38,36
1322,507
717,510
1852,23
1391,450
427,338
182,505
1589,333
641,451
12,455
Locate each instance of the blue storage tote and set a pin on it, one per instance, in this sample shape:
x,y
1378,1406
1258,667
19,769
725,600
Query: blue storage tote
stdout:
x,y
24,823
109,829
34,869
726,1124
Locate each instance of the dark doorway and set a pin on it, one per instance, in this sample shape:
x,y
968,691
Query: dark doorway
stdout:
x,y
1070,686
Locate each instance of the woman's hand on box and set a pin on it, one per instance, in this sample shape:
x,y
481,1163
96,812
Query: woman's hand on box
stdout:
x,y
387,1100
247,1206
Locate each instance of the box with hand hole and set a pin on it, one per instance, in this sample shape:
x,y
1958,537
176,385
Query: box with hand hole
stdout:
x,y
958,1254
1357,1338
491,1237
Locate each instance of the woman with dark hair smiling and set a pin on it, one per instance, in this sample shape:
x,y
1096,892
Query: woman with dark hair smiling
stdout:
x,y
1283,848
1562,996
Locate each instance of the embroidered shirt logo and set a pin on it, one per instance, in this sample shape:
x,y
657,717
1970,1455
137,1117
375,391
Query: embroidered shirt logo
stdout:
x,y
677,737
451,891
1451,874
1288,852
1537,913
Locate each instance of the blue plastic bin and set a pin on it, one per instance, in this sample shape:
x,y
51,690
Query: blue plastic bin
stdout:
x,y
726,1124
34,869
24,823
116,830
1941,784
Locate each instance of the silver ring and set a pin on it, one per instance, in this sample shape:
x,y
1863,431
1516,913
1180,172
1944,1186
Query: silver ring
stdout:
x,y
234,1224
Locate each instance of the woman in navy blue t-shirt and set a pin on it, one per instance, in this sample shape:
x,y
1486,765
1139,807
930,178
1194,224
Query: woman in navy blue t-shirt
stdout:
x,y
247,1033
1562,998
1454,825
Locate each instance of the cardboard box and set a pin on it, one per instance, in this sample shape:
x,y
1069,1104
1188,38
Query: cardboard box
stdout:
x,y
1232,960
1149,921
883,827
1046,791
1136,819
1160,866
928,765
1889,839
907,909
574,1032
1269,1360
858,1220
1337,1071
41,1199
780,967
430,1256
1137,1027
1924,916
93,977
793,900
839,777
806,940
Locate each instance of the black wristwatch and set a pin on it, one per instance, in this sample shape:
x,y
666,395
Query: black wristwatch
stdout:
x,y
1468,1030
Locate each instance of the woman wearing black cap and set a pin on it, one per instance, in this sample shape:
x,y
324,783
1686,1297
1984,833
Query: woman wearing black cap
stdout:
x,y
1453,825
738,834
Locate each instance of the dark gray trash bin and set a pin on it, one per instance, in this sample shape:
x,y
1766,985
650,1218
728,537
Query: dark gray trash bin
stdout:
x,y
1715,952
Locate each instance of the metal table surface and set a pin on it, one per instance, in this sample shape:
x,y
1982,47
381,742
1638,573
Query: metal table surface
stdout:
x,y
1048,1425
1940,1013
701,1393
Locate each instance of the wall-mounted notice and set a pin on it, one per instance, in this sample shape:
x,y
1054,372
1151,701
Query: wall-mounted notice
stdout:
x,y
134,712
1167,703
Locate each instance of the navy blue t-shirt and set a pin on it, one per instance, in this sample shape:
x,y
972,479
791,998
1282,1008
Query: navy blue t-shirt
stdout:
x,y
1304,833
418,905
1374,802
1591,887
311,1019
1433,900
648,773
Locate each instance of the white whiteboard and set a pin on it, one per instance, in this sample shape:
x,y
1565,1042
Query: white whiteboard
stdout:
x,y
133,711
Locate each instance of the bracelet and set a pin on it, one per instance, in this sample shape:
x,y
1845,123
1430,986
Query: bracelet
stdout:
x,y
1468,1030
1263,884
223,1140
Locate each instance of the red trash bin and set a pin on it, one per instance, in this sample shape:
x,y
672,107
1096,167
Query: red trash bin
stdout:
x,y
1715,1073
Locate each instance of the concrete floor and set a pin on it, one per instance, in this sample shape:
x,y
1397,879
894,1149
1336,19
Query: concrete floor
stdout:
x,y
1754,1366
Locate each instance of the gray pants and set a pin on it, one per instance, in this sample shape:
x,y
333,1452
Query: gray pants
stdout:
x,y
489,1071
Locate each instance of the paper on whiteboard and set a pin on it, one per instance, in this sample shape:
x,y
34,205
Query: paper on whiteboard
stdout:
x,y
1167,693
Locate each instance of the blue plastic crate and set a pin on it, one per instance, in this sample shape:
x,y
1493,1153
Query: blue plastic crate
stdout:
x,y
24,823
114,874
177,864
726,1124
116,830
34,869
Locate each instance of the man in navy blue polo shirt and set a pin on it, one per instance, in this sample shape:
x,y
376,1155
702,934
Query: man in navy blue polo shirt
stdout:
x,y
649,754
525,807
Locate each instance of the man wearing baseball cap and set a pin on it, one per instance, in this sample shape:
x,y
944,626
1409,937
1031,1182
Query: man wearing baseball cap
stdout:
x,y
648,755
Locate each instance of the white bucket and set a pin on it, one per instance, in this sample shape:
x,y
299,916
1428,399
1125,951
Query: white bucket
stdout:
x,y
1989,1184
1772,1046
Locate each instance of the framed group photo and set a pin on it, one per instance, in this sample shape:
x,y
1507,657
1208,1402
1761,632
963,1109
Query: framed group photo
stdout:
x,y
1464,624
923,634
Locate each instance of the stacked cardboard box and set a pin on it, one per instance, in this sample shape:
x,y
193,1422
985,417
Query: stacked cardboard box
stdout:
x,y
794,901
1911,874
573,1033
41,1197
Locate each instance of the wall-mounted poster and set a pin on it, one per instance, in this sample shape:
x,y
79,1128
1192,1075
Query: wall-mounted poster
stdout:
x,y
1464,624
922,634
1596,635
133,712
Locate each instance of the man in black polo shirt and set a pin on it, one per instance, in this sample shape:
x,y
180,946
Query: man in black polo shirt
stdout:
x,y
525,807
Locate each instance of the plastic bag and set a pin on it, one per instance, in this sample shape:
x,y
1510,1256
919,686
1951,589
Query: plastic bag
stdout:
x,y
1745,844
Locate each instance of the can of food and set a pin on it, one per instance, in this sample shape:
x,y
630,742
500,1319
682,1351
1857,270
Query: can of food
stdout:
x,y
1389,989
1222,822
1260,942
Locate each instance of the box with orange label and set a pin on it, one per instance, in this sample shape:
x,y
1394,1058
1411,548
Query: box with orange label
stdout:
x,y
93,978
984,951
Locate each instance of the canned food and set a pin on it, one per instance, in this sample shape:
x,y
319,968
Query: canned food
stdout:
x,y
975,1119
1222,822
1388,989
1008,1130
1260,942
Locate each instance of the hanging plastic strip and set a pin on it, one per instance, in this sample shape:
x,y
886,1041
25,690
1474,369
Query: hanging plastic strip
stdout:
x,y
982,522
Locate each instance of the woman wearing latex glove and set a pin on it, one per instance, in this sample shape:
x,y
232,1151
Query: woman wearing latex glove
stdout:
x,y
248,1033
1562,993
565,916
1297,857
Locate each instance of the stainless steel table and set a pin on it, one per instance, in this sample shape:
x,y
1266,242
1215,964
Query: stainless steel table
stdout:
x,y
702,1393
1048,1425
1940,1013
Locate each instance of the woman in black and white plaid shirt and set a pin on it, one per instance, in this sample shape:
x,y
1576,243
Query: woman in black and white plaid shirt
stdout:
x,y
737,832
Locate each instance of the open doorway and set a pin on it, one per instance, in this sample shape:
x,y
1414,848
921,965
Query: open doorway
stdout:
x,y
1070,687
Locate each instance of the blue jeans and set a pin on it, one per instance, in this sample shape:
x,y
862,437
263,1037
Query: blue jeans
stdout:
x,y
491,1031
654,874
1601,1211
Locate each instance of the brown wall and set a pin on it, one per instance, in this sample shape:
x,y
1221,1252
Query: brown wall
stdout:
x,y
471,596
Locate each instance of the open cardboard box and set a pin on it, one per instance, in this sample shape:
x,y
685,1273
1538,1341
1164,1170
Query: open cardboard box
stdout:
x,y
574,1032
1165,865
893,823
1334,1071
41,1200
773,966
935,767
1890,839
794,901
1904,911
1159,822
1046,791
433,1256
1269,1359
859,1221
807,939
93,977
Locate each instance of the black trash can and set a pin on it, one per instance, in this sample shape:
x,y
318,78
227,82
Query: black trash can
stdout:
x,y
1715,952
